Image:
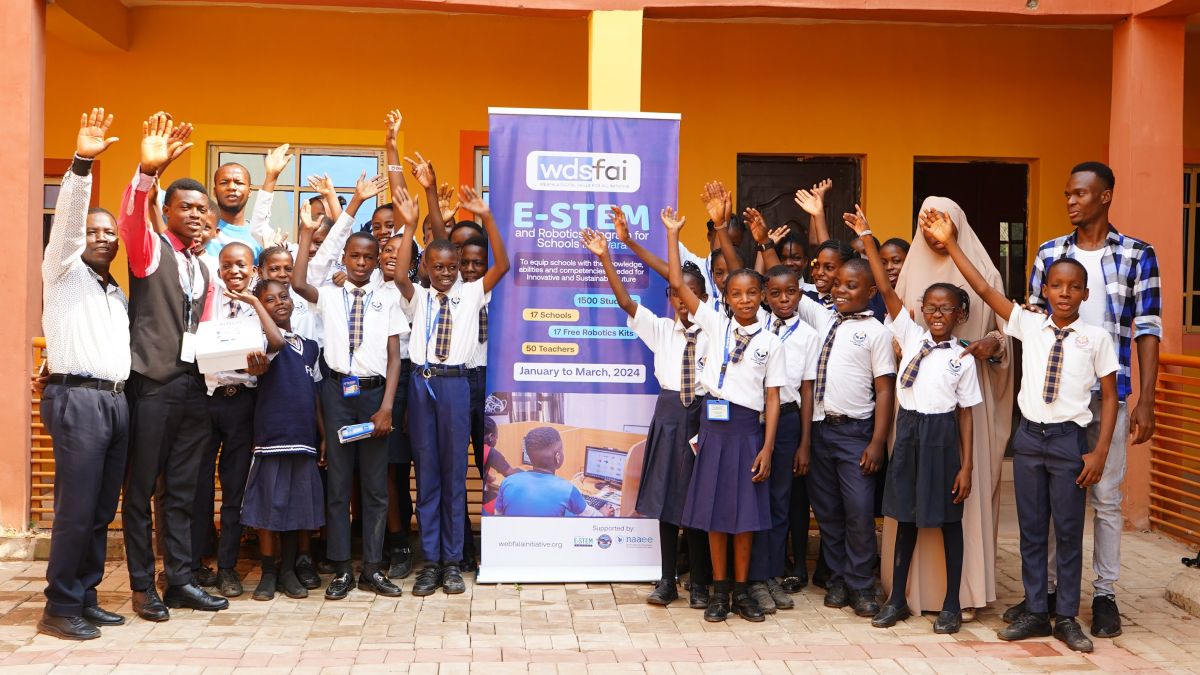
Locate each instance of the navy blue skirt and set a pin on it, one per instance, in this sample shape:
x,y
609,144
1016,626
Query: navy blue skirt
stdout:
x,y
668,460
920,474
284,493
722,497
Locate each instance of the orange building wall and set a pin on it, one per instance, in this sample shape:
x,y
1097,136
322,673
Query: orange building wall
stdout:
x,y
890,92
1191,99
311,76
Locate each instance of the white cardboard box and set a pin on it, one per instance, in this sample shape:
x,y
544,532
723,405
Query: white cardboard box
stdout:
x,y
223,344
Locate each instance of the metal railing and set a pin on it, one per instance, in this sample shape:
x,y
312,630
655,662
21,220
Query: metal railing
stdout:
x,y
1175,450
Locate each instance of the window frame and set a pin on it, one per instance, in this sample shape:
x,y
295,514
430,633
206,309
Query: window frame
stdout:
x,y
1191,238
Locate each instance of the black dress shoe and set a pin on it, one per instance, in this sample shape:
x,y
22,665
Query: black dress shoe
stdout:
x,y
1026,626
890,615
98,616
864,603
836,595
193,597
452,581
820,576
699,596
306,572
267,583
947,622
469,565
664,593
429,579
377,583
718,606
326,567
745,607
400,563
149,606
290,584
205,577
67,627
794,584
1106,618
1012,613
339,586
228,583
1068,630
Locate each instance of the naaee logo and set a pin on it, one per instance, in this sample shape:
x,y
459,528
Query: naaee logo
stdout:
x,y
583,171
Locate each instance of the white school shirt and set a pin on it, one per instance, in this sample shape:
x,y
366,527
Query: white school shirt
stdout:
x,y
667,338
763,362
465,301
306,322
861,352
945,378
1088,355
382,318
1093,310
221,311
802,349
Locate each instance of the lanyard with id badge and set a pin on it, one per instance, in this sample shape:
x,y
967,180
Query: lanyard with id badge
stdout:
x,y
187,342
351,387
717,409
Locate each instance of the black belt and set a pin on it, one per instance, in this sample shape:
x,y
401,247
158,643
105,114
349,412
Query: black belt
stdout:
x,y
363,382
835,420
1050,428
230,390
427,371
790,406
87,383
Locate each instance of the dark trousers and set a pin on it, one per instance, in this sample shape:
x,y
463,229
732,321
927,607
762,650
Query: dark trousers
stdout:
x,y
477,381
799,519
233,435
1047,460
769,552
439,426
843,500
90,429
169,433
372,458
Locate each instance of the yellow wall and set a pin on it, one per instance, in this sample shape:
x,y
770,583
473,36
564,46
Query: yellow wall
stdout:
x,y
311,76
890,92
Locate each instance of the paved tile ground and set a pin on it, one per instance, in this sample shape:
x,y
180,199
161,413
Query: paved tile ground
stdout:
x,y
582,629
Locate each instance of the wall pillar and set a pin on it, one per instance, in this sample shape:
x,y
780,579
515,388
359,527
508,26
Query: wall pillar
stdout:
x,y
21,124
615,60
1146,154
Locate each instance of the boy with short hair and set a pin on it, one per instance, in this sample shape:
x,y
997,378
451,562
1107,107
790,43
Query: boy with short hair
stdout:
x,y
540,492
1052,466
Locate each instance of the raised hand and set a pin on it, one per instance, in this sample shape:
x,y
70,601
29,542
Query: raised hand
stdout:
x,y
422,170
717,202
671,220
405,206
307,224
276,161
812,201
758,227
156,148
594,241
93,136
620,224
937,224
241,296
856,221
778,234
821,188
364,189
445,195
177,143
472,201
391,125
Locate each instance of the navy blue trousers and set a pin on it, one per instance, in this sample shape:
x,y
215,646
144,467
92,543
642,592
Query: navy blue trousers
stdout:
x,y
439,429
1047,460
768,557
477,381
843,500
90,429
233,436
372,458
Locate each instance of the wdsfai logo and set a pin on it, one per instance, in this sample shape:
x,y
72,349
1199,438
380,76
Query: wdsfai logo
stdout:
x,y
583,171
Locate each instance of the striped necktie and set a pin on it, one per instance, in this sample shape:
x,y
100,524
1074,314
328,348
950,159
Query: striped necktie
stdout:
x,y
483,324
445,325
1054,366
823,360
233,308
827,301
687,369
909,376
740,342
356,319
779,323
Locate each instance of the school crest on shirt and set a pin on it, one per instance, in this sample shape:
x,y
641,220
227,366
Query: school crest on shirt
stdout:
x,y
700,362
954,367
759,357
859,338
376,306
454,301
1082,342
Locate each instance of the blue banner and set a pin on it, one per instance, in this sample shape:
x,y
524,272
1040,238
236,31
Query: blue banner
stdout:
x,y
571,388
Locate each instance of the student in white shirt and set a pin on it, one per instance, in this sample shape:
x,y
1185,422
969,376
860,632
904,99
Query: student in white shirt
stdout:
x,y
929,474
792,439
668,458
744,367
362,324
1063,358
853,408
445,338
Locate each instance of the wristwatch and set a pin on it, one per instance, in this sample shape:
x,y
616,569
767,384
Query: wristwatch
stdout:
x,y
763,247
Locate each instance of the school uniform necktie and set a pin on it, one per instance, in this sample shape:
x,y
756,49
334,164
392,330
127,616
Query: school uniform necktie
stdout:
x,y
779,323
483,324
687,370
233,309
823,360
356,319
827,301
909,376
740,342
445,325
1054,366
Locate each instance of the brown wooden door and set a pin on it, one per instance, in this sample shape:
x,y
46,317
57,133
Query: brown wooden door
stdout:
x,y
769,183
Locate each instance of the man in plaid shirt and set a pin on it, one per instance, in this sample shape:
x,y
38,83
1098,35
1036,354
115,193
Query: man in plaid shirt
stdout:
x,y
1125,299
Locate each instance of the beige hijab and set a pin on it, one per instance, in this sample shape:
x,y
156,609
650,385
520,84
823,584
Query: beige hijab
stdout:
x,y
992,424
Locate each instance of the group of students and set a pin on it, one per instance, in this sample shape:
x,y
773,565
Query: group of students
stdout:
x,y
784,383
